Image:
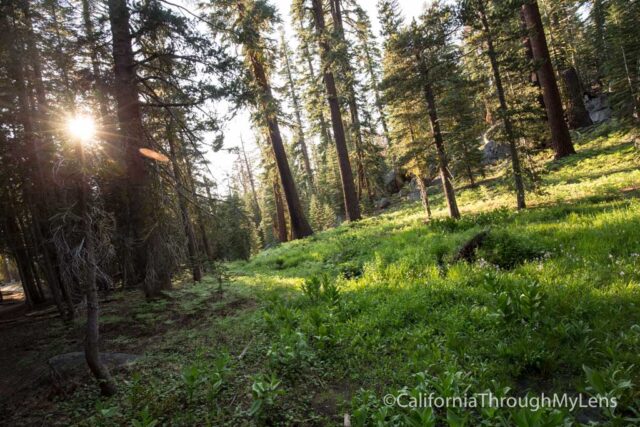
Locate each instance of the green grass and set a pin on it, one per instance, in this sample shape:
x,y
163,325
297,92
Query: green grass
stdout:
x,y
331,324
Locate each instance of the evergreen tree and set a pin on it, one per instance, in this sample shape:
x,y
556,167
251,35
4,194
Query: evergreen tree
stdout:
x,y
251,18
480,8
560,137
300,146
412,54
352,208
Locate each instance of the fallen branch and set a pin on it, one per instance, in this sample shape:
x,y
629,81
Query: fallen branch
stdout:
x,y
244,352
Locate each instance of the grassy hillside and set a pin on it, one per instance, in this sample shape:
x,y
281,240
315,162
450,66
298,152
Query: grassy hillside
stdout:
x,y
314,329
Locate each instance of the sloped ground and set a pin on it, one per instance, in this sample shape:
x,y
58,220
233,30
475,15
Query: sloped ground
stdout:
x,y
314,329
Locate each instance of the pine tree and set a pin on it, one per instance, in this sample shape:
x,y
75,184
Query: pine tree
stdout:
x,y
347,83
504,107
622,42
352,208
560,137
371,59
416,50
132,135
250,19
292,93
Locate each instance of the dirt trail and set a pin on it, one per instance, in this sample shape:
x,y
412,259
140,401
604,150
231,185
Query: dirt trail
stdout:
x,y
12,296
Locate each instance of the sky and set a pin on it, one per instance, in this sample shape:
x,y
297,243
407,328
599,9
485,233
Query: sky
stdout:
x,y
240,126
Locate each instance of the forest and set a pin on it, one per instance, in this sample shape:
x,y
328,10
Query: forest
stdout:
x,y
320,212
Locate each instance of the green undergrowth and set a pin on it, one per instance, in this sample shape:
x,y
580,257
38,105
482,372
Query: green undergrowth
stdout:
x,y
314,329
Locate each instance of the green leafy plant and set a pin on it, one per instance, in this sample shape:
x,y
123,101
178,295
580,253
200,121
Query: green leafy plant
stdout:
x,y
264,391
192,377
611,383
321,288
144,419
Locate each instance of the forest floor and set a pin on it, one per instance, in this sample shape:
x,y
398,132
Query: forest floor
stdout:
x,y
314,329
12,295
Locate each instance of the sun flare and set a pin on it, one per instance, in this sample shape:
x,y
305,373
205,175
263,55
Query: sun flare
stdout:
x,y
82,128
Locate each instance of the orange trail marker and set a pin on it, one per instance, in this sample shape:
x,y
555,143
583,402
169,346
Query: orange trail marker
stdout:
x,y
153,155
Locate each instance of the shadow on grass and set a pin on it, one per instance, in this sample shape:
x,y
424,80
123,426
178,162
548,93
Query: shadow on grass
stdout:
x,y
589,153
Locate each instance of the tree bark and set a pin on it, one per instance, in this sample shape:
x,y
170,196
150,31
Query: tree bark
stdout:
x,y
351,205
443,166
281,222
91,348
356,128
298,115
504,108
325,134
92,45
299,225
560,136
424,195
577,114
37,148
192,247
252,184
139,185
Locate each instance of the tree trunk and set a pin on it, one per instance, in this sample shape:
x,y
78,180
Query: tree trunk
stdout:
x,y
325,134
577,114
356,128
443,166
204,237
632,92
351,205
504,108
37,148
281,221
139,185
598,19
36,65
423,185
192,247
252,184
299,225
91,349
211,252
533,76
560,136
92,45
298,115
376,93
